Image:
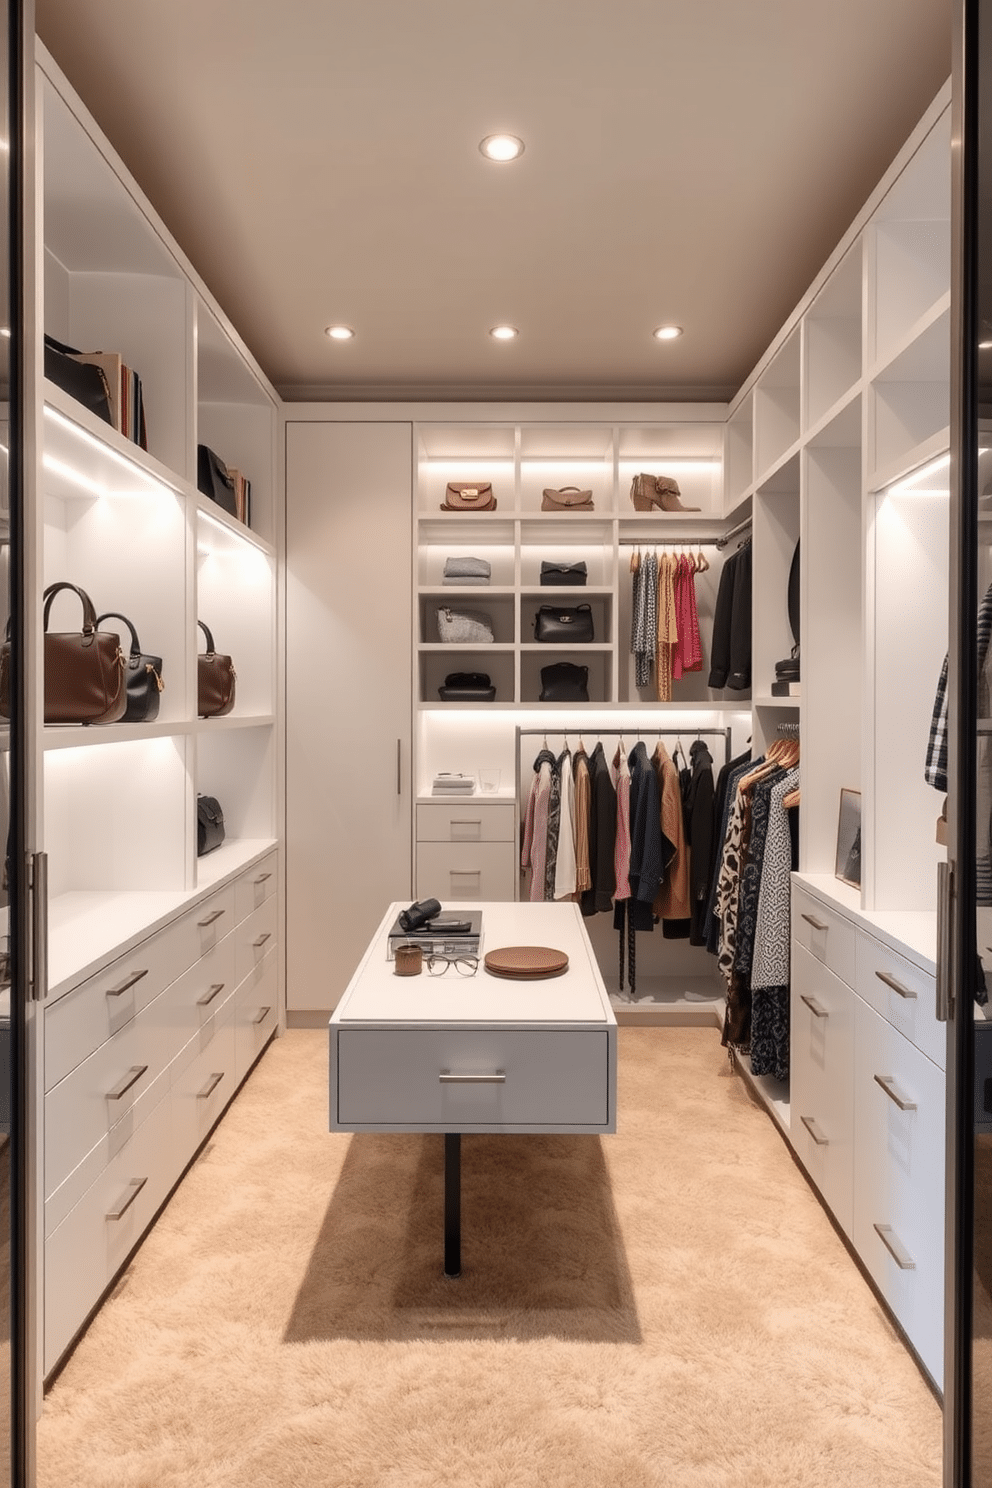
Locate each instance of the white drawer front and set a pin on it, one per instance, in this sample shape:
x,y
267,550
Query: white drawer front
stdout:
x,y
256,1013
822,1081
399,1078
899,1178
202,1087
253,888
826,935
194,998
93,1012
905,995
86,1250
483,870
254,938
474,821
202,927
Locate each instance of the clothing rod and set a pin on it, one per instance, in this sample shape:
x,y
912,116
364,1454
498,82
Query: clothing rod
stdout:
x,y
682,540
727,537
633,733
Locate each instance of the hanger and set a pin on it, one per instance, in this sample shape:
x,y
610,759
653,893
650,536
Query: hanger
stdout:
x,y
635,559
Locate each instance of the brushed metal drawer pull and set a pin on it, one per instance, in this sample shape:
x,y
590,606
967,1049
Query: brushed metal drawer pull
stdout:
x,y
498,1077
887,1083
127,984
261,1015
817,924
132,1077
210,1086
210,918
475,821
262,877
898,1253
261,940
816,1008
130,1194
210,994
814,1131
890,981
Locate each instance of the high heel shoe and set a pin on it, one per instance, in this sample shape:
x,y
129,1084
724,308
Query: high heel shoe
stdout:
x,y
648,491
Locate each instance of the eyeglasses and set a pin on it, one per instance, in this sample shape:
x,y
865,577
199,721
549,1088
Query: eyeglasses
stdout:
x,y
464,965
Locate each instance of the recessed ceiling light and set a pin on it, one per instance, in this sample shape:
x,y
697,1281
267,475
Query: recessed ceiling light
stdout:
x,y
339,332
503,333
667,332
501,147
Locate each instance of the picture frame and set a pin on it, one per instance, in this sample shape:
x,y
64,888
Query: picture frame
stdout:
x,y
848,863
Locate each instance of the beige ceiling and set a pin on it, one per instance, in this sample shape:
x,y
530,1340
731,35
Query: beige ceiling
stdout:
x,y
686,160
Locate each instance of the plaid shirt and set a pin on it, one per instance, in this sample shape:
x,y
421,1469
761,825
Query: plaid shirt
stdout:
x,y
935,769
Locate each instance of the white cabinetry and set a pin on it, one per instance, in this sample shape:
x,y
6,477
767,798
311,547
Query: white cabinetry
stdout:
x,y
147,973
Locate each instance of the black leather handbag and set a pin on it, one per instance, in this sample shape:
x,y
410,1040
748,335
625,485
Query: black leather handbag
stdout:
x,y
564,625
467,687
564,683
209,825
569,575
213,480
216,680
142,677
84,381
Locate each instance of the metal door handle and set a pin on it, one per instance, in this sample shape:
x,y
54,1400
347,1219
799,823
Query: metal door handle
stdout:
x,y
210,1086
498,1077
814,1131
945,895
816,1008
887,1083
132,1077
127,984
817,924
261,940
890,981
210,918
210,994
130,1194
399,767
261,1015
896,1250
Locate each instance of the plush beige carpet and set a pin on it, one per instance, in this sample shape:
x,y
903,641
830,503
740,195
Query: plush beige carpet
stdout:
x,y
664,1308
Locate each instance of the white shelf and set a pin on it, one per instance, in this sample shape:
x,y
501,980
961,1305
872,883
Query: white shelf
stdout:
x,y
85,458
86,930
773,1094
232,722
96,735
230,526
233,855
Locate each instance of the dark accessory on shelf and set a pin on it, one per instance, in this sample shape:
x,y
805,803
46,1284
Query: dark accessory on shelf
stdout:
x,y
143,677
83,381
647,491
409,960
209,825
216,680
568,498
84,670
464,627
213,480
794,596
419,914
526,963
788,669
468,496
467,570
564,683
564,625
467,687
572,575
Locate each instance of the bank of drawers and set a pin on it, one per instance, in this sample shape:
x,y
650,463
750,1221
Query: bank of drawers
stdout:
x,y
867,1058
141,1060
466,850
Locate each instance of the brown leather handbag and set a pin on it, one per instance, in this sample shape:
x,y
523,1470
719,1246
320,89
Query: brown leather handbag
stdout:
x,y
569,498
468,496
216,680
85,671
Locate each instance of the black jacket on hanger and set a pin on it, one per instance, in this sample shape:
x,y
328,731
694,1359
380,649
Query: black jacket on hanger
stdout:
x,y
700,832
730,652
602,836
646,863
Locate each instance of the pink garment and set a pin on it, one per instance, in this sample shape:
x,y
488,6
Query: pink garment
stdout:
x,y
688,653
535,848
621,849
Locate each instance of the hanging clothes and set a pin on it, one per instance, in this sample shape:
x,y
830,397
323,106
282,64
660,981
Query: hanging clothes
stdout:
x,y
644,618
726,790
699,821
646,853
730,651
535,845
621,854
565,866
598,898
583,803
770,972
687,655
671,902
666,631
554,823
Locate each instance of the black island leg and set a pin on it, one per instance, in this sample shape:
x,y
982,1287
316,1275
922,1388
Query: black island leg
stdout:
x,y
452,1204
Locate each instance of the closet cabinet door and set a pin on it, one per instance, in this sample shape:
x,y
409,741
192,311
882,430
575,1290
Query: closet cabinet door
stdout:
x,y
348,696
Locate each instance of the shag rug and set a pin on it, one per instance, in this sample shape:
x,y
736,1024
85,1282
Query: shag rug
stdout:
x,y
668,1307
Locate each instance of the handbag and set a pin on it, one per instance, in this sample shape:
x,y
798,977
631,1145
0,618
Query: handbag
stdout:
x,y
564,683
464,627
216,680
564,625
467,571
84,381
214,481
468,496
84,670
467,687
209,825
563,574
142,676
568,498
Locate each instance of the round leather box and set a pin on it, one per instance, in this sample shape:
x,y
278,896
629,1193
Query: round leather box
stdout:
x,y
526,963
